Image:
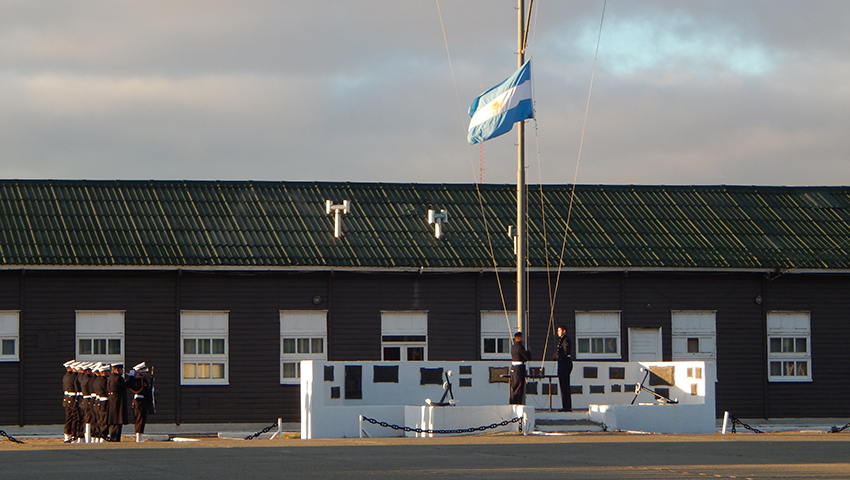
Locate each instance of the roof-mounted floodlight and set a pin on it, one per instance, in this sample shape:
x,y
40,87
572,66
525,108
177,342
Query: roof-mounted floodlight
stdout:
x,y
338,211
513,234
437,220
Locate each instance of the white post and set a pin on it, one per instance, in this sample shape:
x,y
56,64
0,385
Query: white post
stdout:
x,y
88,433
524,423
725,421
360,425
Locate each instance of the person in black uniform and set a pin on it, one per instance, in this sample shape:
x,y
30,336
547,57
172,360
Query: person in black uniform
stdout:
x,y
140,385
116,405
69,401
563,355
86,411
98,392
519,355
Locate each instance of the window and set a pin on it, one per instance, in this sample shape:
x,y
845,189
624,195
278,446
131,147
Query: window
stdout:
x,y
100,336
204,352
303,336
694,335
597,335
9,336
497,329
404,336
789,354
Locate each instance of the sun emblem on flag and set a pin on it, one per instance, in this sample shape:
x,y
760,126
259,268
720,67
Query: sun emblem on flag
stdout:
x,y
496,106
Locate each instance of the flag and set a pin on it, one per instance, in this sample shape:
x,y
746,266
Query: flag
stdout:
x,y
495,111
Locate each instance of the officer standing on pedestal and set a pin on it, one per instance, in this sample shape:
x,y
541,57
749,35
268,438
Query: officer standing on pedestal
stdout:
x,y
519,355
563,355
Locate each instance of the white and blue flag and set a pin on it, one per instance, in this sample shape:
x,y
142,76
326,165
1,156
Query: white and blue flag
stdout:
x,y
495,111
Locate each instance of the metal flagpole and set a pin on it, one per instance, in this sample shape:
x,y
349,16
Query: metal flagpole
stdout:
x,y
521,236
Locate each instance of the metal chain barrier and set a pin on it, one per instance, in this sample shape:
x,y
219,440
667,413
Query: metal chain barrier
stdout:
x,y
839,429
4,434
456,431
265,430
735,420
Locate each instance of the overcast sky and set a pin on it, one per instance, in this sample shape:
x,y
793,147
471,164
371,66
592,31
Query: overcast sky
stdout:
x,y
684,92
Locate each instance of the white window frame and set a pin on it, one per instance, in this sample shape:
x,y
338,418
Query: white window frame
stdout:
x,y
302,332
497,331
789,346
400,328
207,328
96,329
10,321
595,330
691,327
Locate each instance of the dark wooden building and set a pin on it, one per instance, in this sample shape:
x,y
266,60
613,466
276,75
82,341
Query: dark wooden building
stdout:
x,y
223,287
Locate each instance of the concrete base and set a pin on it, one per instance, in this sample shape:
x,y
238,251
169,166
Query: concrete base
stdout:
x,y
655,418
460,418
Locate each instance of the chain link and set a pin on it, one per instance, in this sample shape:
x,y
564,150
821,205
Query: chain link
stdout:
x,y
4,434
839,429
735,420
265,430
455,431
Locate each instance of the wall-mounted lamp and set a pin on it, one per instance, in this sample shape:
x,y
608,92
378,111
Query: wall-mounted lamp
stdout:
x,y
338,211
759,300
437,219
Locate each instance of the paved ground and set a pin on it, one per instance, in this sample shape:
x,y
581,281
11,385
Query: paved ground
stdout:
x,y
587,456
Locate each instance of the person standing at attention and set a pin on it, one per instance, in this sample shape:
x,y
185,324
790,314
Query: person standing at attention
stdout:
x,y
563,355
519,355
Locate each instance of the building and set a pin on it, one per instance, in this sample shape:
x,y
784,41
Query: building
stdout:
x,y
223,287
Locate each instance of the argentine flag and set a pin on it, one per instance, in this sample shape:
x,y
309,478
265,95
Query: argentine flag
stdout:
x,y
495,111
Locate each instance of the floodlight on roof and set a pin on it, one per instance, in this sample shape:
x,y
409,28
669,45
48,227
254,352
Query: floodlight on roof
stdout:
x,y
337,211
437,220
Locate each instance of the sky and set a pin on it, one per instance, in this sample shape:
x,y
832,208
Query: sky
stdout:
x,y
677,93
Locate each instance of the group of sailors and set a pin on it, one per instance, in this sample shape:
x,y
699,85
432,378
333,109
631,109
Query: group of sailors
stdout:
x,y
95,400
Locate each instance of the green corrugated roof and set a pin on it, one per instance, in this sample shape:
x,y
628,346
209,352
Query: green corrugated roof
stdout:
x,y
284,224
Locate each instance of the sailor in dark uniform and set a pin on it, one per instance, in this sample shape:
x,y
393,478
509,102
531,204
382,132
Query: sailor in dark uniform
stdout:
x,y
116,406
84,379
69,401
519,355
140,386
99,398
563,355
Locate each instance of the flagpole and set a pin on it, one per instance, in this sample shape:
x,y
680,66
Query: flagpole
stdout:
x,y
521,236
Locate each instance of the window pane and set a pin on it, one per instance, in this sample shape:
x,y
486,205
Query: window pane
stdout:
x,y
788,369
99,346
610,345
85,347
217,370
392,354
503,345
204,346
288,345
415,354
693,345
596,345
203,370
775,369
218,346
114,346
801,345
189,370
489,345
317,345
787,344
190,346
8,347
802,369
775,345
289,370
303,345
583,345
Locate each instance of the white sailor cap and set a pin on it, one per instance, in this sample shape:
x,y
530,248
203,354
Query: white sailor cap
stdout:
x,y
69,363
141,367
117,364
104,368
